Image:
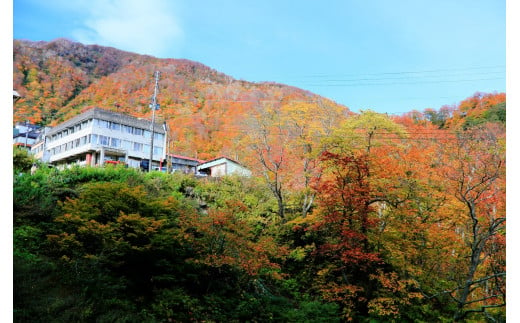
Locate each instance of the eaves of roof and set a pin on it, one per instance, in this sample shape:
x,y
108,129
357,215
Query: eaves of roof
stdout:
x,y
98,113
221,157
187,158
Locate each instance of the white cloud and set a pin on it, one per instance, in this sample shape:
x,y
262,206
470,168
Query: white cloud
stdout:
x,y
145,27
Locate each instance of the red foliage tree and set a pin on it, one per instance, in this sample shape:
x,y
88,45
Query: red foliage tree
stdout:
x,y
345,219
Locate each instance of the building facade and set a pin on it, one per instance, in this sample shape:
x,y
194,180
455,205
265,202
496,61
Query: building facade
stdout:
x,y
98,136
38,148
222,166
25,134
183,164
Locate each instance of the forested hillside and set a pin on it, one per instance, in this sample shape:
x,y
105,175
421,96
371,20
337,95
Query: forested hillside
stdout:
x,y
348,217
204,109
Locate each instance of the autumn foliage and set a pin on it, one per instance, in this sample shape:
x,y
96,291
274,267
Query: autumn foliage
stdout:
x,y
359,217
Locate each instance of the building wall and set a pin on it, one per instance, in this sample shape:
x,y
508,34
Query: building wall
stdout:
x,y
97,136
22,139
183,164
38,150
25,134
233,168
218,170
223,166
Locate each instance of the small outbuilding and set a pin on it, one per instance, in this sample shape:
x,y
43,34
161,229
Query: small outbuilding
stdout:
x,y
222,166
183,164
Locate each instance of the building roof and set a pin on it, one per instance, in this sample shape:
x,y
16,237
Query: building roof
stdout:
x,y
22,129
33,134
98,113
215,159
187,158
22,144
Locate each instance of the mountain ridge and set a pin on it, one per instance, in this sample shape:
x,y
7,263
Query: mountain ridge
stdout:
x,y
61,78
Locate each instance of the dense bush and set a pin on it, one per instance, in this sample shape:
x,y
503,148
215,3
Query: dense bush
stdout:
x,y
118,245
115,244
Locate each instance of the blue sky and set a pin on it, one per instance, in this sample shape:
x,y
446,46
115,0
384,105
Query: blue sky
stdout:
x,y
388,56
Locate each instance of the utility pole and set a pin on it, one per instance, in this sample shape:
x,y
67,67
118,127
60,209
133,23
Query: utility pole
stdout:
x,y
167,147
27,129
154,106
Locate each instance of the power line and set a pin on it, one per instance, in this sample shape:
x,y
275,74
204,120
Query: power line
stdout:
x,y
410,77
416,77
407,83
403,72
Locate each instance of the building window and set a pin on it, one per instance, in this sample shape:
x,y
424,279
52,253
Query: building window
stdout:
x,y
133,163
102,123
157,150
138,146
127,145
146,149
114,142
94,139
158,136
138,131
127,129
104,140
115,126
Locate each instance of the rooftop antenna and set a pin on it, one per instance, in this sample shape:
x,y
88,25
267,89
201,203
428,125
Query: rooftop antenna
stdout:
x,y
154,106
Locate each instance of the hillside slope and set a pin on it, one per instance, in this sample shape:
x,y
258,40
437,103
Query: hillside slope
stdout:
x,y
204,108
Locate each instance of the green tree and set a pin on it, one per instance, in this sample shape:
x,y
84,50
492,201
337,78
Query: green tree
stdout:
x,y
110,240
366,130
22,160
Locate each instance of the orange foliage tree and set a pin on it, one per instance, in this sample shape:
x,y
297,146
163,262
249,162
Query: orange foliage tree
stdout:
x,y
474,168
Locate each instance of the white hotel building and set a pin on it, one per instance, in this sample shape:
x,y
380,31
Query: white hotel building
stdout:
x,y
98,136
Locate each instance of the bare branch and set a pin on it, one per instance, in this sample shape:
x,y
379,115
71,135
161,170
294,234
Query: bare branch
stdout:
x,y
483,299
487,278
